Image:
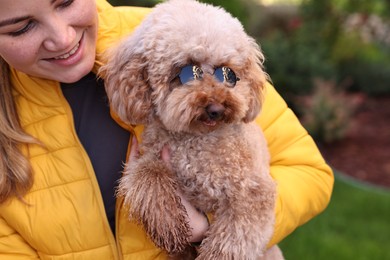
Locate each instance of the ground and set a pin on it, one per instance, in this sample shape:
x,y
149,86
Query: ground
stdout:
x,y
365,152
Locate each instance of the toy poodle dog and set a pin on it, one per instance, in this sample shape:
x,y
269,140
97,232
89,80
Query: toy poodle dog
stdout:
x,y
193,77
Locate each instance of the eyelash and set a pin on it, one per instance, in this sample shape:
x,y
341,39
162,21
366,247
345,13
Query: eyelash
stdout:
x,y
25,29
66,3
31,23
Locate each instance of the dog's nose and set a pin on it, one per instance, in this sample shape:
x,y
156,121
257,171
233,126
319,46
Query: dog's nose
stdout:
x,y
215,111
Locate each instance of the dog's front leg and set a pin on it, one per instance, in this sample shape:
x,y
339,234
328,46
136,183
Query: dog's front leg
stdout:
x,y
149,190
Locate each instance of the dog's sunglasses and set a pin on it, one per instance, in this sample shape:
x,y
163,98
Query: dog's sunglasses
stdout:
x,y
222,74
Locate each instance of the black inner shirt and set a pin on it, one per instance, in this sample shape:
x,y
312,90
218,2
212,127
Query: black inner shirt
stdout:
x,y
104,140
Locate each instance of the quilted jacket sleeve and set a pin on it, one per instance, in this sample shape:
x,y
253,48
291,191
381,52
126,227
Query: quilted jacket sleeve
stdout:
x,y
304,180
116,22
13,246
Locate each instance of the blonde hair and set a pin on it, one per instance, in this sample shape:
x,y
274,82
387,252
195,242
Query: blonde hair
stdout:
x,y
15,170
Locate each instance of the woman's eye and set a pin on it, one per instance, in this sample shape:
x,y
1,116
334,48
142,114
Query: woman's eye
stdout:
x,y
66,3
226,75
24,29
189,73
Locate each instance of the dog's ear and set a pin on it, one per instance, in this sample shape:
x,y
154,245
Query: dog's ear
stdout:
x,y
126,82
257,78
255,100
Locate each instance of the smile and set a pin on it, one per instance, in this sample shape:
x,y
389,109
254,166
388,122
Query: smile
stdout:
x,y
67,55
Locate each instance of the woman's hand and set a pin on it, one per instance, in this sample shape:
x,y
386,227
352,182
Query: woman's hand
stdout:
x,y
197,220
134,152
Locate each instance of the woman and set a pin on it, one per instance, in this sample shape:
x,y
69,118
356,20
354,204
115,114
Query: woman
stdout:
x,y
62,153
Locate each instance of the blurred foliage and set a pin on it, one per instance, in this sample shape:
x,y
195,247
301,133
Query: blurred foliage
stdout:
x,y
317,42
357,51
327,112
294,63
238,8
379,7
367,64
342,41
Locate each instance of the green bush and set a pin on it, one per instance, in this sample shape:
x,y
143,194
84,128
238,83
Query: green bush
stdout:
x,y
326,114
322,47
366,64
293,63
238,8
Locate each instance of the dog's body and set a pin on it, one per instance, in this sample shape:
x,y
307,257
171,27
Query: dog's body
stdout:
x,y
224,172
219,156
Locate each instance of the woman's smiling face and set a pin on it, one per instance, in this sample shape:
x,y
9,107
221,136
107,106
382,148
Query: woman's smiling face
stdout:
x,y
52,39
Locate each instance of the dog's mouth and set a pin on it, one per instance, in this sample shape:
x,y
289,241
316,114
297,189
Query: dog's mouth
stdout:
x,y
209,122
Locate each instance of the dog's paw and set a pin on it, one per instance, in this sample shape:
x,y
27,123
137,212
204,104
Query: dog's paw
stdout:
x,y
150,194
168,228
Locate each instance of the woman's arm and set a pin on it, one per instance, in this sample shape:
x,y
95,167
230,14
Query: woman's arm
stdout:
x,y
304,180
12,245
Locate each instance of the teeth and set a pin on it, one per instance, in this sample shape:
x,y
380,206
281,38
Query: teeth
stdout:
x,y
67,55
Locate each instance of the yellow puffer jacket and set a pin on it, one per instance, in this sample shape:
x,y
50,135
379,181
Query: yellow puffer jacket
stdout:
x,y
63,216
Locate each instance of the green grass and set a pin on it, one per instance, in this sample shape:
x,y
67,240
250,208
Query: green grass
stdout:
x,y
356,225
